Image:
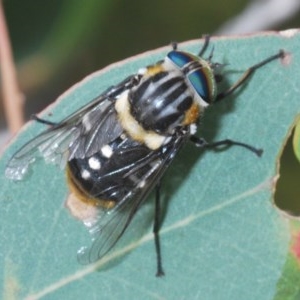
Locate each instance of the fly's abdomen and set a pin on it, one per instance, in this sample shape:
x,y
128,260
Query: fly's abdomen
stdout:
x,y
106,177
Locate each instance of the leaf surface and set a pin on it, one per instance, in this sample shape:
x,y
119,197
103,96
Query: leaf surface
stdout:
x,y
222,237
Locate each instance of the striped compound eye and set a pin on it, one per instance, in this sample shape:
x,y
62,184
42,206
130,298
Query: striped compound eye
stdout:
x,y
198,73
180,58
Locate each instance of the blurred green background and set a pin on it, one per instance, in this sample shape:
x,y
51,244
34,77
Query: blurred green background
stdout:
x,y
57,43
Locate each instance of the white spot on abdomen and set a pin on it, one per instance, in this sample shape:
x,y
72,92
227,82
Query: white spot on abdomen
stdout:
x,y
85,174
107,151
94,163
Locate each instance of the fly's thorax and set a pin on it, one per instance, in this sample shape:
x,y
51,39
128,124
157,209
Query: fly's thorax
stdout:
x,y
161,101
134,129
149,137
172,93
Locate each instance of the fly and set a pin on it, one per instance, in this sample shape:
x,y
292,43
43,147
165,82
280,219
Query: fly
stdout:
x,y
116,149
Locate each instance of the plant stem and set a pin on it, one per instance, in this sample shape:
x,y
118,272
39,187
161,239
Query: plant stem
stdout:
x,y
12,97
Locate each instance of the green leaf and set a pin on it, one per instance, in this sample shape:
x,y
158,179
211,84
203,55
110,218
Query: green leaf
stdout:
x,y
296,140
222,237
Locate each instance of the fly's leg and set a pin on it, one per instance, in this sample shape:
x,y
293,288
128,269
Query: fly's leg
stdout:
x,y
156,227
111,93
206,37
202,143
247,74
205,45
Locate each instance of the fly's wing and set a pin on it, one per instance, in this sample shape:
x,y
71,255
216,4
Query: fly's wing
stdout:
x,y
110,225
81,134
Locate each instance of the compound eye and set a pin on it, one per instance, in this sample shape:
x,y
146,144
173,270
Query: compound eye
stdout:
x,y
200,82
198,72
180,59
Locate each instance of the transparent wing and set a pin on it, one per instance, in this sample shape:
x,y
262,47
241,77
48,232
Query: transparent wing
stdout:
x,y
110,225
52,144
81,134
